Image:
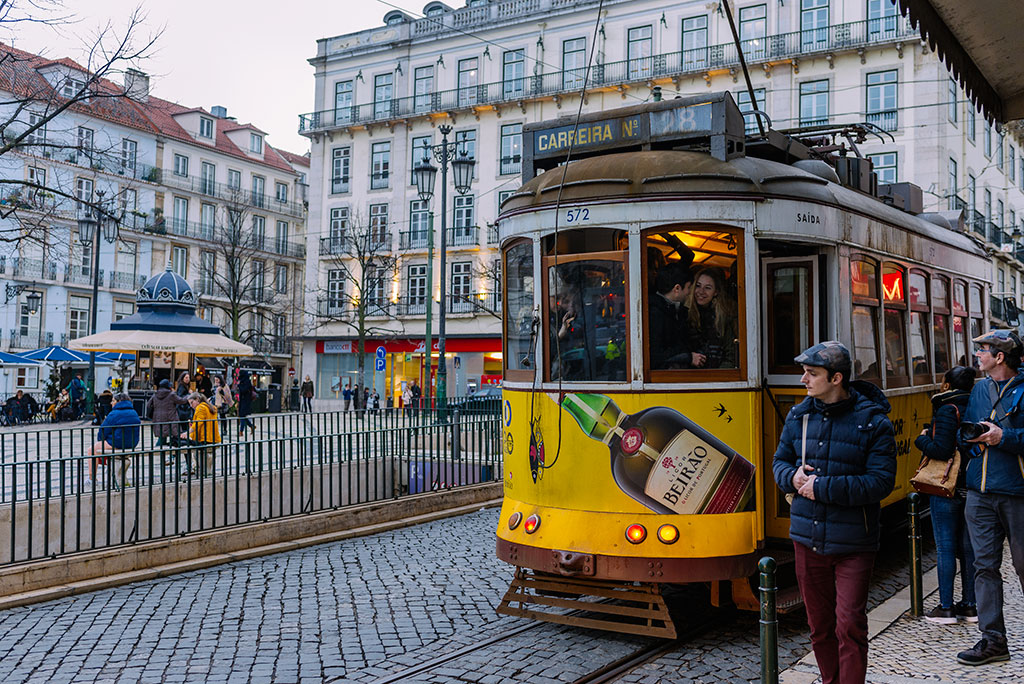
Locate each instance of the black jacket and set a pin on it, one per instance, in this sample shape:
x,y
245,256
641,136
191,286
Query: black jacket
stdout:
x,y
721,350
852,448
940,443
668,334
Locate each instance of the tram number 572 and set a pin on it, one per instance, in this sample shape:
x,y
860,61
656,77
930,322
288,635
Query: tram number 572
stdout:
x,y
577,215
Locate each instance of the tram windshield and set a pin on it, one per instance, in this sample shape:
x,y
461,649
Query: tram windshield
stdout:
x,y
692,299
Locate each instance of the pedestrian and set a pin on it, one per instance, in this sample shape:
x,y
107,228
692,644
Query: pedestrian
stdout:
x,y
346,397
76,390
119,432
938,441
416,394
246,393
222,401
837,456
375,401
104,403
203,382
203,432
995,485
407,397
183,388
307,395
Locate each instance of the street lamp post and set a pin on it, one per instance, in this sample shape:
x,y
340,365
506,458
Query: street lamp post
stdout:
x,y
93,220
425,174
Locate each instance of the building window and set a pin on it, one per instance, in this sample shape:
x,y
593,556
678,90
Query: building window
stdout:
x,y
378,226
1000,214
882,19
207,220
814,24
972,121
463,222
281,192
884,165
179,219
639,48
380,165
511,148
207,271
181,165
814,103
1020,176
420,148
234,179
376,290
466,142
129,152
282,237
972,193
987,147
28,322
123,310
37,177
423,88
416,287
342,102
83,191
281,279
468,80
259,232
255,143
461,287
882,106
1011,163
259,186
383,86
419,223
208,178
513,71
71,87
574,62
205,127
339,224
38,136
129,203
125,260
341,158
1000,147
335,288
85,141
78,316
179,261
695,41
952,185
743,101
754,30
27,378
951,99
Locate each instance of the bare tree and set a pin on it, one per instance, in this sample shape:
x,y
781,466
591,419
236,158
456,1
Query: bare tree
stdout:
x,y
358,299
34,94
235,275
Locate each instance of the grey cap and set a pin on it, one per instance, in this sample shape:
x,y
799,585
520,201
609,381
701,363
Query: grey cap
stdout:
x,y
1006,341
831,355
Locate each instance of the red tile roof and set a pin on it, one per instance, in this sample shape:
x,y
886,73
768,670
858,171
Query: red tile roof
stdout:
x,y
300,159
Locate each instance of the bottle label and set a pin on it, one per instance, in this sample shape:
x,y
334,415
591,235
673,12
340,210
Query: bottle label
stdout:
x,y
684,475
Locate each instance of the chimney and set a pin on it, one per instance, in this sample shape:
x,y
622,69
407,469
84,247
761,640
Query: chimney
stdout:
x,y
219,111
136,85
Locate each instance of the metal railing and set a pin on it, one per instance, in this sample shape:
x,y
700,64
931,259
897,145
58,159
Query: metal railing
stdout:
x,y
32,341
413,239
887,121
223,234
847,36
463,236
205,186
79,275
55,499
414,306
125,281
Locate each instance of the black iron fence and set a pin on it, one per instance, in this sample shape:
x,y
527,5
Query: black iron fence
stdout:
x,y
56,498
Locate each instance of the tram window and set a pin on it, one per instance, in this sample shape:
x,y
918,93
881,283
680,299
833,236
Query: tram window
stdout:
x,y
584,241
894,295
961,350
977,317
520,329
917,294
789,315
587,320
864,288
692,302
940,324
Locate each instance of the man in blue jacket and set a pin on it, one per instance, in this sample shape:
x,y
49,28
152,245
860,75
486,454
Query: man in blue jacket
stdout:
x,y
120,431
837,455
995,485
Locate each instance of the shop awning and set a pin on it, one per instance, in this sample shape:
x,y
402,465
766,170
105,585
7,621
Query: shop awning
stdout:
x,y
206,344
256,366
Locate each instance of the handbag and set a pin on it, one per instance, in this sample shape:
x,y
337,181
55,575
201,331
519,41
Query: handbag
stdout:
x,y
937,477
803,455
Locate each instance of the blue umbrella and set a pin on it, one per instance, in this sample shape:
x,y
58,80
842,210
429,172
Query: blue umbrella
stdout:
x,y
114,356
56,354
15,360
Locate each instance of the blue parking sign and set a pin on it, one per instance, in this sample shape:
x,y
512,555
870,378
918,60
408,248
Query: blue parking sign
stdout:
x,y
379,364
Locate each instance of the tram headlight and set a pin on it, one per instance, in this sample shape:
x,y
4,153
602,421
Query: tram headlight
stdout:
x,y
636,533
531,524
514,520
668,534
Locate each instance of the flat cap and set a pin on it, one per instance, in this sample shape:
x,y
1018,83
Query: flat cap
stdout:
x,y
1006,341
830,354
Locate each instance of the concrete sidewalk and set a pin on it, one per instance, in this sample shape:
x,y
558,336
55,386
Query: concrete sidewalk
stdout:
x,y
908,650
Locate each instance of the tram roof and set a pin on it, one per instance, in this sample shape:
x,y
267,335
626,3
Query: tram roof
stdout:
x,y
678,173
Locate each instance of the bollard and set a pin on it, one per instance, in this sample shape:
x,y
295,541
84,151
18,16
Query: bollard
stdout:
x,y
769,623
914,533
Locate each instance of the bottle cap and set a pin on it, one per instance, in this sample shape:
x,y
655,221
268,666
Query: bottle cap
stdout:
x,y
591,412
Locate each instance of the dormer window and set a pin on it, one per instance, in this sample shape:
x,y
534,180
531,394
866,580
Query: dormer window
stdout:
x,y
71,87
394,19
255,143
205,127
435,11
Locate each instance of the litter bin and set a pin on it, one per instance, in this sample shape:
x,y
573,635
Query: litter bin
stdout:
x,y
274,398
294,401
259,404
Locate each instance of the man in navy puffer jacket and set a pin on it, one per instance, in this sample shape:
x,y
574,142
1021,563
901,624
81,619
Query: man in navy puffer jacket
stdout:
x,y
995,485
850,467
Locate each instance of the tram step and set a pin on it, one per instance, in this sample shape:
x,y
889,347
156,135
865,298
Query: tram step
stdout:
x,y
620,606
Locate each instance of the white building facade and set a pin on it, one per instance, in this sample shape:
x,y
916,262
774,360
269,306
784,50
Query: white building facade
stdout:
x,y
488,68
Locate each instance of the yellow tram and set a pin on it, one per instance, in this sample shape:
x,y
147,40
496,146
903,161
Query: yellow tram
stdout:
x,y
625,464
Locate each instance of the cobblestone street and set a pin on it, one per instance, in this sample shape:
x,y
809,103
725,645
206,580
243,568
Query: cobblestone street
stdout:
x,y
358,610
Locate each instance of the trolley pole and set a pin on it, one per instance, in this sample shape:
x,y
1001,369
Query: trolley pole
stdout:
x,y
914,534
769,623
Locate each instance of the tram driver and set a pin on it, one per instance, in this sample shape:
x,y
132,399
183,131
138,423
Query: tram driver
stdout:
x,y
669,331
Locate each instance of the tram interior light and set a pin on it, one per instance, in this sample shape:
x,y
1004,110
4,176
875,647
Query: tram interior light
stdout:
x,y
636,533
668,534
531,524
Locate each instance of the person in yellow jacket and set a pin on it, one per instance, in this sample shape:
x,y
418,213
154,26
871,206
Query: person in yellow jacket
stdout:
x,y
203,431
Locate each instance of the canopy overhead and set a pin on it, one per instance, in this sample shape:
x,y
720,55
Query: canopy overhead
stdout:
x,y
56,354
979,43
144,340
15,360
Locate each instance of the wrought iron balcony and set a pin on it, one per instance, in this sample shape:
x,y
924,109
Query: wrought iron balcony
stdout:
x,y
463,236
219,234
413,239
125,281
411,306
834,38
29,341
76,274
492,234
994,233
887,121
32,269
260,294
333,307
231,194
476,302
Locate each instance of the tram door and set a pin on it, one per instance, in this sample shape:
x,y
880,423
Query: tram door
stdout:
x,y
791,309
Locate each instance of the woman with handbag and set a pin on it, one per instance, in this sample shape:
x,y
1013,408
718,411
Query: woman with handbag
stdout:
x,y
937,443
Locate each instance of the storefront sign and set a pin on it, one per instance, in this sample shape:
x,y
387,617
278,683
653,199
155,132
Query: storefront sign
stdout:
x,y
337,347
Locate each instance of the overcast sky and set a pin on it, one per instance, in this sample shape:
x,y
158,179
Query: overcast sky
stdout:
x,y
249,57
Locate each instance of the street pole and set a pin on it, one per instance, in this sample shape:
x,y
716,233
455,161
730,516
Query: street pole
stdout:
x,y
442,371
90,383
428,342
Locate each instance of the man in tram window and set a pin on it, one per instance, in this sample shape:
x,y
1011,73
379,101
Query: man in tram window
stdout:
x,y
567,334
668,330
837,455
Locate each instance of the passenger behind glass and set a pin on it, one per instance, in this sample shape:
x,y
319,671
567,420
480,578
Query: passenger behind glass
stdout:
x,y
567,335
711,319
668,330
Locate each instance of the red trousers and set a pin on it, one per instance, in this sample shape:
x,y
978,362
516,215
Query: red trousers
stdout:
x,y
835,594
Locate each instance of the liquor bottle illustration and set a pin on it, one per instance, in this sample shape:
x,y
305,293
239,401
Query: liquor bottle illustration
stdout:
x,y
663,459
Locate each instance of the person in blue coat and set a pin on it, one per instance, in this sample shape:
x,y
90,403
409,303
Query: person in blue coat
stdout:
x,y
995,485
837,456
120,431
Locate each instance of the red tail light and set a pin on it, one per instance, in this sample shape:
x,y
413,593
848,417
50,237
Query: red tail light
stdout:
x,y
531,524
636,533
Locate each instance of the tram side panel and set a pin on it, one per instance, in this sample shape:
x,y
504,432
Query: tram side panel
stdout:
x,y
633,486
